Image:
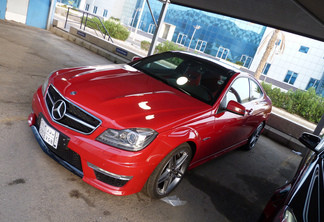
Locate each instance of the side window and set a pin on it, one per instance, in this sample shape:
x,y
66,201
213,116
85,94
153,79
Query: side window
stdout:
x,y
241,88
238,92
256,92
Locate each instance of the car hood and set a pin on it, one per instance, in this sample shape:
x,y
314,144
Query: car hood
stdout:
x,y
124,97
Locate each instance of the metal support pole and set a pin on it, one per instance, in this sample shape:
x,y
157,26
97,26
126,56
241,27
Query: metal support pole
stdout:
x,y
85,23
51,14
319,126
82,20
157,30
149,6
67,15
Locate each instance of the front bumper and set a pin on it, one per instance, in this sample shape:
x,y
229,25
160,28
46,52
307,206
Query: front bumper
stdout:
x,y
107,168
46,149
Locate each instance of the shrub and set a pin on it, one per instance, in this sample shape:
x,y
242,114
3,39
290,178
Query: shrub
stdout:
x,y
168,46
114,28
239,63
306,104
145,45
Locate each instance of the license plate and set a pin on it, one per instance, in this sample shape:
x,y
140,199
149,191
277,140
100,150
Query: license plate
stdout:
x,y
49,135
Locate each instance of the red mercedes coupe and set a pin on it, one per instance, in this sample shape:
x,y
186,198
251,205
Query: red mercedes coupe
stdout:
x,y
124,128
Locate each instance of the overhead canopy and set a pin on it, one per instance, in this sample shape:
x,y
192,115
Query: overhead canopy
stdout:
x,y
303,17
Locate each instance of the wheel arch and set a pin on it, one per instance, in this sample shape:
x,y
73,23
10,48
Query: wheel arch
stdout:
x,y
182,135
193,147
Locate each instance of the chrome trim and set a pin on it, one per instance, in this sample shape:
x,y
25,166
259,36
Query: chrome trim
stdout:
x,y
70,116
105,172
58,110
49,96
79,121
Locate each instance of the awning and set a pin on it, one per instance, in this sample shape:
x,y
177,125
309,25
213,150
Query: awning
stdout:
x,y
303,17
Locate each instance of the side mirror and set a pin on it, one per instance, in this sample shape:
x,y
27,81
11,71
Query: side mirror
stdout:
x,y
135,58
309,140
235,107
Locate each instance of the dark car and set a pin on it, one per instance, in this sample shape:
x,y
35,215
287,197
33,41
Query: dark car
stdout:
x,y
302,199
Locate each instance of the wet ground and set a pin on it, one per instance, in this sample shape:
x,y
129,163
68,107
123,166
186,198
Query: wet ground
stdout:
x,y
33,187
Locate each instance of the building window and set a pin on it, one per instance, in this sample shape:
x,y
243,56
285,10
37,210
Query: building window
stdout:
x,y
312,83
87,7
290,77
304,49
95,10
266,68
105,13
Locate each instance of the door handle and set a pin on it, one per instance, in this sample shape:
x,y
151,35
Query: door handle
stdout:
x,y
249,111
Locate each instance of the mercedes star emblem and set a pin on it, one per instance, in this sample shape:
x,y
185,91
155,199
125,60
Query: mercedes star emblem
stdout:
x,y
58,110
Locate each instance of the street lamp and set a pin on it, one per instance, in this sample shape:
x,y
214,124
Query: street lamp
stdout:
x,y
196,27
139,19
136,10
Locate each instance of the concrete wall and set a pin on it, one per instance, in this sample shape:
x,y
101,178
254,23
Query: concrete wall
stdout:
x,y
119,51
3,8
95,44
17,10
30,12
38,11
285,129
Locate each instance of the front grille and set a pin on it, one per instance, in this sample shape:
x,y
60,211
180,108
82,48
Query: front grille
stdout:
x,y
69,156
72,117
110,180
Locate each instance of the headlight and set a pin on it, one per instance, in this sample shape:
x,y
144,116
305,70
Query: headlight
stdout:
x,y
44,86
129,139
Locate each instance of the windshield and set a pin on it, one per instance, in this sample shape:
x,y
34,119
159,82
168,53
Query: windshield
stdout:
x,y
192,75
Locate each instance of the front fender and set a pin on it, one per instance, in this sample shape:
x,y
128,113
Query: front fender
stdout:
x,y
176,137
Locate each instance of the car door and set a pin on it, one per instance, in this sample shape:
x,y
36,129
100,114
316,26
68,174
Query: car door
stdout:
x,y
230,129
256,107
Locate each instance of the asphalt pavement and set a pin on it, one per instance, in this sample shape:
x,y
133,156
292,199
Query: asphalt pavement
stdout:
x,y
33,187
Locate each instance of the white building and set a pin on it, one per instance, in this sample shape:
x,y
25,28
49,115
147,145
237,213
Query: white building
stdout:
x,y
104,8
301,65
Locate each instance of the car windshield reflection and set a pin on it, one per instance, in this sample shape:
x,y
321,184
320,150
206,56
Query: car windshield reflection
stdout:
x,y
201,79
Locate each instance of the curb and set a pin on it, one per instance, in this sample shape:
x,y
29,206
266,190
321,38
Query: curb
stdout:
x,y
284,139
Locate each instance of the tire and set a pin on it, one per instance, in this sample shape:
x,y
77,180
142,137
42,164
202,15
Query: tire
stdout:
x,y
169,173
254,137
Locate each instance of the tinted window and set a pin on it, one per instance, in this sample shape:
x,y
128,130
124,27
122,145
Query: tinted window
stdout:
x,y
256,92
266,68
291,77
312,83
304,49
